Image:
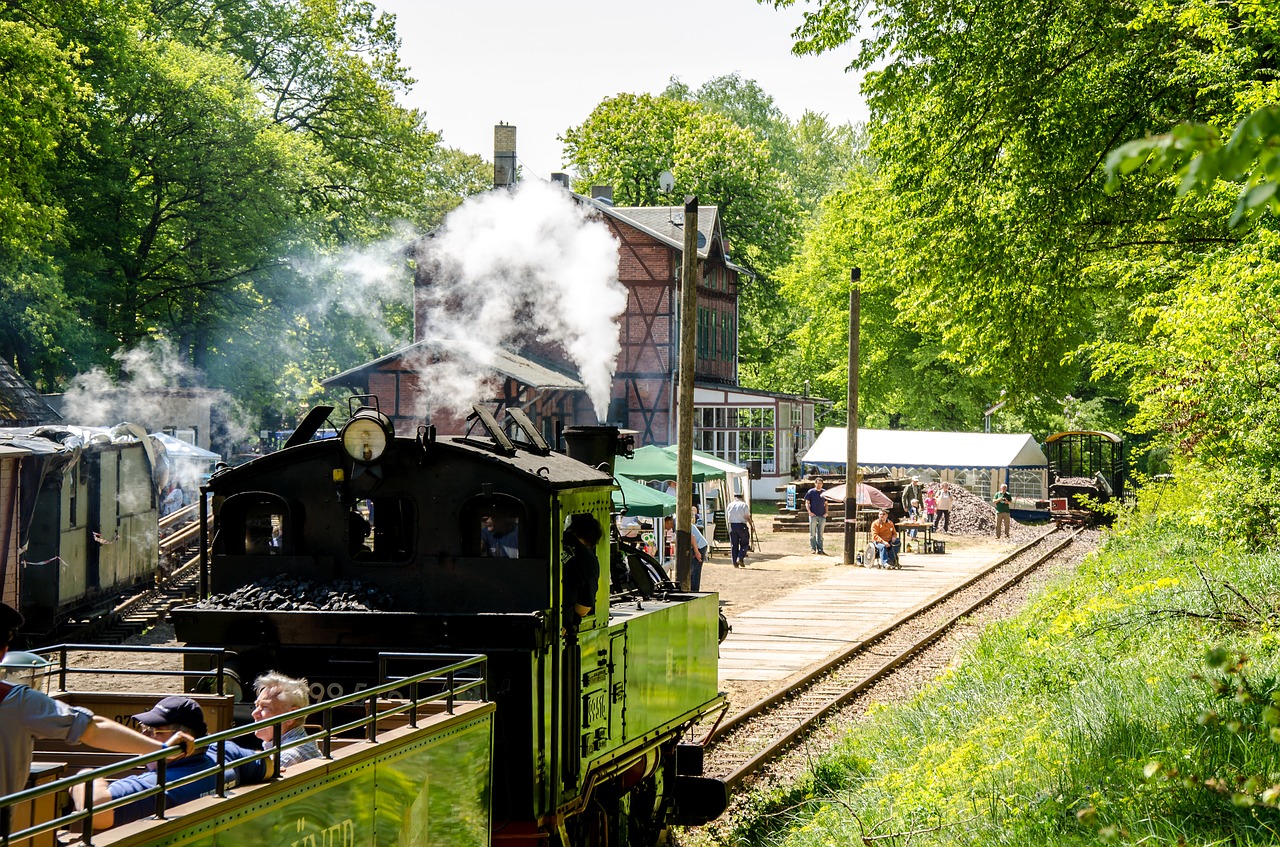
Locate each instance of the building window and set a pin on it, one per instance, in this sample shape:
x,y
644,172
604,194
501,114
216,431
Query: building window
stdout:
x,y
737,434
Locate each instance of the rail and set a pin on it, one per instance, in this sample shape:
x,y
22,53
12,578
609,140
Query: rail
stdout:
x,y
452,683
819,682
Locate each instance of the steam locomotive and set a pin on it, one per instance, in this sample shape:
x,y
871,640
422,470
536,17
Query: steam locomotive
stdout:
x,y
455,544
1086,471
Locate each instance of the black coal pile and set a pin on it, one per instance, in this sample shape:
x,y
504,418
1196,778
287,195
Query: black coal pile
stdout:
x,y
291,594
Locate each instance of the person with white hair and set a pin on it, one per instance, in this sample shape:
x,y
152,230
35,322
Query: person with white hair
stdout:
x,y
278,694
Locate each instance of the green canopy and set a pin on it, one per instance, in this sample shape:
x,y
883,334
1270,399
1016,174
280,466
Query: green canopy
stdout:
x,y
653,462
641,500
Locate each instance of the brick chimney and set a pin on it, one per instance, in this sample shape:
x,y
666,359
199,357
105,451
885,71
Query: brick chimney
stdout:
x,y
504,155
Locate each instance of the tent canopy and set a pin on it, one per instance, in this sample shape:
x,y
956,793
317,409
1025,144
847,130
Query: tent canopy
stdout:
x,y
867,496
903,448
641,500
653,462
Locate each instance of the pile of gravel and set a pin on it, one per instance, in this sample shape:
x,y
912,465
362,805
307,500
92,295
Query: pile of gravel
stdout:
x,y
970,514
291,594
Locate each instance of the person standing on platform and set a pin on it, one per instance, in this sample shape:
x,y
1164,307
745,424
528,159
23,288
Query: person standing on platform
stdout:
x,y
816,505
738,514
911,494
943,517
1003,501
698,557
931,507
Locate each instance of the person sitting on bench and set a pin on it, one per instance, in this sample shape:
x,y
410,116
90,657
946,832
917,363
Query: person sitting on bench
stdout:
x,y
885,536
173,716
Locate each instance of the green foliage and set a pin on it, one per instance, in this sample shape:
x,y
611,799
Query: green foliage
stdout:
x,y
1080,720
174,168
990,128
1206,380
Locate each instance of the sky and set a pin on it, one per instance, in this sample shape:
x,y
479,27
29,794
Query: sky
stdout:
x,y
543,65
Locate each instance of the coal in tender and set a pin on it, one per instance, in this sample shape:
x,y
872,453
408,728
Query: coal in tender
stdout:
x,y
294,594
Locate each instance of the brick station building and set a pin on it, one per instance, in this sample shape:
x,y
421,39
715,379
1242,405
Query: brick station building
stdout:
x,y
741,425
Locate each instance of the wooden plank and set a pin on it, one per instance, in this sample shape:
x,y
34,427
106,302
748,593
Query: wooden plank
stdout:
x,y
799,630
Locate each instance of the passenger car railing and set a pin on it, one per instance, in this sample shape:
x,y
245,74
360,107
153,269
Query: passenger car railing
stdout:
x,y
448,684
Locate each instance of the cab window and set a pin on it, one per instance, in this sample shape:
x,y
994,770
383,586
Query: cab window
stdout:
x,y
495,527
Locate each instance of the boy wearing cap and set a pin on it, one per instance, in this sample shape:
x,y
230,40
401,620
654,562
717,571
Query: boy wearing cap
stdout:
x,y
26,714
175,716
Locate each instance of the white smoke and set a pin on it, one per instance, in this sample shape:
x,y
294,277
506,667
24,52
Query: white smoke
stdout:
x,y
96,398
150,375
363,282
510,267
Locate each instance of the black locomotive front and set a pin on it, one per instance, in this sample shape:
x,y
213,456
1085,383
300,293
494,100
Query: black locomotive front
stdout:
x,y
329,552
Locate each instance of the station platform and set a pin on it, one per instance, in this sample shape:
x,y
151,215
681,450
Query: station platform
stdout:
x,y
784,637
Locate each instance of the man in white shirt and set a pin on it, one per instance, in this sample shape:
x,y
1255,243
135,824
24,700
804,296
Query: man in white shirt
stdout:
x,y
738,514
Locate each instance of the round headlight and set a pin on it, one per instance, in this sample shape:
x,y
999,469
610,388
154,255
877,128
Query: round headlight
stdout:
x,y
365,437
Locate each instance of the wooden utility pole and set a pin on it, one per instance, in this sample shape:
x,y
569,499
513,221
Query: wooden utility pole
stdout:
x,y
851,438
684,406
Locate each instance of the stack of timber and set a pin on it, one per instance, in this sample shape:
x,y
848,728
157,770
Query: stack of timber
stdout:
x,y
798,520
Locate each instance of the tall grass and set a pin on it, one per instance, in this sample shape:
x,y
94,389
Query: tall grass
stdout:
x,y
1091,716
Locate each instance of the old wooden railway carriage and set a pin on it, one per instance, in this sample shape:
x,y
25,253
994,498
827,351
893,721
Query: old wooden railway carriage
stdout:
x,y
465,535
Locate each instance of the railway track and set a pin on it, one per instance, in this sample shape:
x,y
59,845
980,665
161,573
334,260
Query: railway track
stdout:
x,y
137,611
745,742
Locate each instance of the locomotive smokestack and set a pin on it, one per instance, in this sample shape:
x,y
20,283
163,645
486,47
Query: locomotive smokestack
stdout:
x,y
504,155
594,445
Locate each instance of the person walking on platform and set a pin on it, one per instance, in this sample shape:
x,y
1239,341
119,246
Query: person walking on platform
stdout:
x,y
738,514
943,516
911,494
1003,501
816,505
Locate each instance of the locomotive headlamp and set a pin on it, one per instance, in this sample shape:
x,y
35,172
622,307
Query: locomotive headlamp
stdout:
x,y
365,436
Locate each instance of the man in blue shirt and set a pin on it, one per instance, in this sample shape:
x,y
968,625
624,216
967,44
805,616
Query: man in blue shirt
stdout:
x,y
27,715
816,505
170,716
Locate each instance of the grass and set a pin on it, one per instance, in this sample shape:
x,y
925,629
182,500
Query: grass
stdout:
x,y
1091,717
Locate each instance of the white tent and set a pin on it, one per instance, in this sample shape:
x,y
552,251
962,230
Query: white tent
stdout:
x,y
902,448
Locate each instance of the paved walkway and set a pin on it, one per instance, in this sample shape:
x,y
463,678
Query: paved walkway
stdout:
x,y
782,638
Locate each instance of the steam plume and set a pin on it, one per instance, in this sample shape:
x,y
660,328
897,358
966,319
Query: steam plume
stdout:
x,y
510,269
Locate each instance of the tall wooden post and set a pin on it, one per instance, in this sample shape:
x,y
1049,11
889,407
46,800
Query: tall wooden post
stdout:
x,y
851,442
684,407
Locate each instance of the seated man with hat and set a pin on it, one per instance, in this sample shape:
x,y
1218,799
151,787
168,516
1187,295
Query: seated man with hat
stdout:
x,y
170,716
